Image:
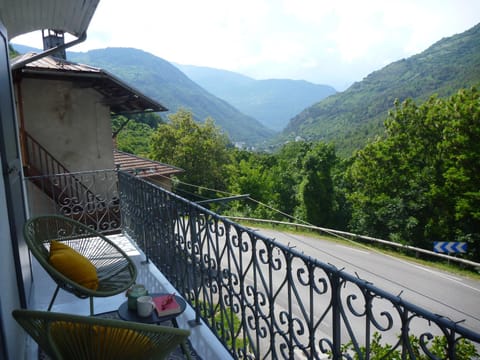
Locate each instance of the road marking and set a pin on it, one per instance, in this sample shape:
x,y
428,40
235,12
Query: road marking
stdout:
x,y
448,277
299,355
353,249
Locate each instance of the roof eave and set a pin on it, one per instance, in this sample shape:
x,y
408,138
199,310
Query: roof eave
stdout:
x,y
24,16
131,101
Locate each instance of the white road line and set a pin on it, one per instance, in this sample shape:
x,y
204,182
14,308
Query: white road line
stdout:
x,y
353,249
447,277
299,354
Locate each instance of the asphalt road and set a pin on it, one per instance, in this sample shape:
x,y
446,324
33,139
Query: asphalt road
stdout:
x,y
452,296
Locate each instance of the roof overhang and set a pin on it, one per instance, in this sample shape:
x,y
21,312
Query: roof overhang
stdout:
x,y
23,16
142,167
120,97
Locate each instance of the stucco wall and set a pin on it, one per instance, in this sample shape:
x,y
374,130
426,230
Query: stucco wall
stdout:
x,y
70,121
38,202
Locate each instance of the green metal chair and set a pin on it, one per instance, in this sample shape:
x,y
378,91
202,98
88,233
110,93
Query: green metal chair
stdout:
x,y
115,270
66,336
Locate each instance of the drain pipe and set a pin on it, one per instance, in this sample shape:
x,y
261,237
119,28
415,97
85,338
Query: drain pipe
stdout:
x,y
21,64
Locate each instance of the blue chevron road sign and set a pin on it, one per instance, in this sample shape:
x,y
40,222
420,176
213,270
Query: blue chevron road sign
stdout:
x,y
449,247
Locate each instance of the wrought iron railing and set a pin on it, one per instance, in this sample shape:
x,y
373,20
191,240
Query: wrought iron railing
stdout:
x,y
265,300
40,163
39,159
94,203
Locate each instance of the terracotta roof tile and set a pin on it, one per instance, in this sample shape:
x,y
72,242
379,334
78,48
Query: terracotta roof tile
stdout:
x,y
142,167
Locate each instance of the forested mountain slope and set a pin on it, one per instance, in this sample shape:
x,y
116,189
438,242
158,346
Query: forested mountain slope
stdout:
x,y
351,118
163,82
273,102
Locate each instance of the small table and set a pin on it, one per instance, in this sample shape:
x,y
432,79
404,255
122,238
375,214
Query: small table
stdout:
x,y
131,315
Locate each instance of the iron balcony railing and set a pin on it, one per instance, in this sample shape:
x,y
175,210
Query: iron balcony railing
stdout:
x,y
265,300
40,163
89,197
262,299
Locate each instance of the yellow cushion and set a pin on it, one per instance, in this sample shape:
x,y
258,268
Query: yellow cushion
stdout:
x,y
73,265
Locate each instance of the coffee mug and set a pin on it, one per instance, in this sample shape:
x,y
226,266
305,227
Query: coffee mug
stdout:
x,y
145,306
134,293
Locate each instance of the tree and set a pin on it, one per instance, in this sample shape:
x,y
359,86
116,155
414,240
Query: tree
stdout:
x,y
199,149
133,137
294,181
316,193
461,149
251,173
289,174
151,119
420,184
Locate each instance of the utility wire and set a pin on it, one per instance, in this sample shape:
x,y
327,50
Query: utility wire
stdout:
x,y
297,220
205,188
279,211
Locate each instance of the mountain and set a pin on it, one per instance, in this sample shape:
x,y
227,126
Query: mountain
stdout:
x,y
162,81
351,118
23,49
272,102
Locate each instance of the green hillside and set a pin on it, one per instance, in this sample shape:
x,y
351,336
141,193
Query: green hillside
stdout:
x,y
351,118
162,81
273,102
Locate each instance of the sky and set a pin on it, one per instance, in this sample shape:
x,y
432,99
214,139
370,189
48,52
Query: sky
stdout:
x,y
333,42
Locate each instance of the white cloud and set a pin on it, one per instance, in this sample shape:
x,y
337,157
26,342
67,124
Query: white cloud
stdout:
x,y
310,11
334,41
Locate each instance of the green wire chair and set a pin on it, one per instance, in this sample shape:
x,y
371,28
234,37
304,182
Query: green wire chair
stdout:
x,y
66,336
115,270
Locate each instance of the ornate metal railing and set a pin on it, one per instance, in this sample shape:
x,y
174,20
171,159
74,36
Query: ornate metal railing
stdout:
x,y
265,300
94,203
39,160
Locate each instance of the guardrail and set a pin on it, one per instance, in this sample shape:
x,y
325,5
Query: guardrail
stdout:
x,y
264,300
354,236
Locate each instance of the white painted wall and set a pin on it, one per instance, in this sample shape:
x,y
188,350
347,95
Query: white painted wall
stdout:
x,y
70,121
38,202
9,297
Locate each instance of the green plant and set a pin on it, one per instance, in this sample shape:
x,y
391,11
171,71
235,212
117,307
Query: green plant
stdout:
x,y
229,320
226,322
465,350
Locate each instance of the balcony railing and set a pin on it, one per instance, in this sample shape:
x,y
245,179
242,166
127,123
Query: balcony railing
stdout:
x,y
88,197
262,299
265,300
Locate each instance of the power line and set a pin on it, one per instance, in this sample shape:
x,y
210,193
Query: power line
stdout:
x,y
205,199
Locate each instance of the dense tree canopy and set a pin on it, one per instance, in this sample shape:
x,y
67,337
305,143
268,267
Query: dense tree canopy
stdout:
x,y
316,196
420,184
132,136
296,181
416,185
199,149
